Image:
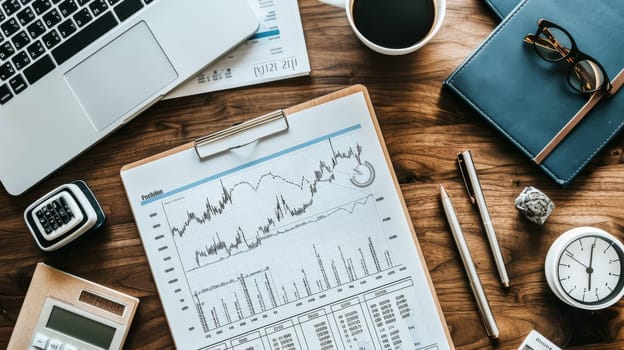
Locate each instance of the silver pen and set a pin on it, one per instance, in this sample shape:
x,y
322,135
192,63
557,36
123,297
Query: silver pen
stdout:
x,y
473,186
475,283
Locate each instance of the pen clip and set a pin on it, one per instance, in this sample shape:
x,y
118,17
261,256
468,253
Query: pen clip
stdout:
x,y
461,162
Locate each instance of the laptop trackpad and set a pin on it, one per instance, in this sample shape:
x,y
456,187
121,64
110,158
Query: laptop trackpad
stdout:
x,y
123,74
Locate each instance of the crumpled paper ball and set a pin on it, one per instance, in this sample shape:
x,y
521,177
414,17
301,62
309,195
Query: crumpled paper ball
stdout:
x,y
534,205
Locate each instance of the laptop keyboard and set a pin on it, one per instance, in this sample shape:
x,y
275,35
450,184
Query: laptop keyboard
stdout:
x,y
38,35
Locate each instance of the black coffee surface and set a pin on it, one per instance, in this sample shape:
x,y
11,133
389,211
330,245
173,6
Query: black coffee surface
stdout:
x,y
394,24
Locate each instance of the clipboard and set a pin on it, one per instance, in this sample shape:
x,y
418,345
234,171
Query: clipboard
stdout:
x,y
340,283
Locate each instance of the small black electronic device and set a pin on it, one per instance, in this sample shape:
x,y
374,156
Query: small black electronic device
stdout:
x,y
63,215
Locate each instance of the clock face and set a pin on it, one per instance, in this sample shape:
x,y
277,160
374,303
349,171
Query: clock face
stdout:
x,y
590,269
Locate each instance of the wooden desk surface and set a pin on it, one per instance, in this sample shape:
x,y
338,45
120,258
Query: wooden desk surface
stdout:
x,y
424,127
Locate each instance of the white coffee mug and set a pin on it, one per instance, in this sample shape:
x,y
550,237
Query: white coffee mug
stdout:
x,y
439,12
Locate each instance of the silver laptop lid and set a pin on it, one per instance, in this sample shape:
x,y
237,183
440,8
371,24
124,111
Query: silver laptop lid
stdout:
x,y
110,81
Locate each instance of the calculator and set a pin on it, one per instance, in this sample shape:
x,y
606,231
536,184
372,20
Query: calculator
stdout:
x,y
63,215
65,312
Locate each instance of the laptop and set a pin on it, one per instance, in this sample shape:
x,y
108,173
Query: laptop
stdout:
x,y
73,71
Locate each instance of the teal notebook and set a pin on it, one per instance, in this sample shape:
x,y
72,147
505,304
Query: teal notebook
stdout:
x,y
502,7
528,99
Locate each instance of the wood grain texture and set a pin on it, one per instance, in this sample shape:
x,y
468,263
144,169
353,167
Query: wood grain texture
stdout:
x,y
424,127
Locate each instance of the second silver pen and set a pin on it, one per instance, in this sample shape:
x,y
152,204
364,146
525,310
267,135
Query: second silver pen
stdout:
x,y
475,282
473,186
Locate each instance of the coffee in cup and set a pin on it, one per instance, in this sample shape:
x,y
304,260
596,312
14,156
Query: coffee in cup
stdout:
x,y
395,24
393,27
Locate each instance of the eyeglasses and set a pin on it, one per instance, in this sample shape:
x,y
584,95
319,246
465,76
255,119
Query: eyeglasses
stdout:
x,y
555,44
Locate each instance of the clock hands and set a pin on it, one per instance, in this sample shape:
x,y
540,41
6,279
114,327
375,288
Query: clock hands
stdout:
x,y
575,259
590,269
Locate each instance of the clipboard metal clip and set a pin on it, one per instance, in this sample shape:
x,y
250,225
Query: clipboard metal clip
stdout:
x,y
241,135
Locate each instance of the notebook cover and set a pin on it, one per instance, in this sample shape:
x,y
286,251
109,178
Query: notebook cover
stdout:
x,y
502,7
528,99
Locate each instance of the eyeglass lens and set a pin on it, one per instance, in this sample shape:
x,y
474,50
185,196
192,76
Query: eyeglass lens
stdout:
x,y
586,76
553,44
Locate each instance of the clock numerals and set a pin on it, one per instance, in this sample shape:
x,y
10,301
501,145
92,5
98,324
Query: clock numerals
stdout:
x,y
591,262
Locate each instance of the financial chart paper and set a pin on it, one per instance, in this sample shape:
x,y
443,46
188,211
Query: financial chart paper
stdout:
x,y
299,241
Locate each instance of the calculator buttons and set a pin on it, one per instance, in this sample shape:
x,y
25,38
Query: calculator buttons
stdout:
x,y
58,215
43,342
54,215
40,341
54,344
63,215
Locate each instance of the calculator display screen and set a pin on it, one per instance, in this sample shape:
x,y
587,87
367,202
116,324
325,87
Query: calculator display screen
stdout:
x,y
80,327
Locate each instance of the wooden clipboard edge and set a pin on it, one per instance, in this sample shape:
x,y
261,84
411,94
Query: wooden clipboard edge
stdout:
x,y
354,89
157,156
328,98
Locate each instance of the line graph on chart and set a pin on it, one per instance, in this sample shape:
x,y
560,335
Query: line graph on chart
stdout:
x,y
290,227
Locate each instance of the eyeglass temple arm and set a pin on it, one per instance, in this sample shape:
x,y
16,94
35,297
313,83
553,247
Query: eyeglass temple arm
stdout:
x,y
596,97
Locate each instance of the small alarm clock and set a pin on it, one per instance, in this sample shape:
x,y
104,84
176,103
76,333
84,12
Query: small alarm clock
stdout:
x,y
584,268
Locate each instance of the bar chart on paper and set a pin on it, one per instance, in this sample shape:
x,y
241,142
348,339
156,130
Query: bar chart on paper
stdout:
x,y
300,244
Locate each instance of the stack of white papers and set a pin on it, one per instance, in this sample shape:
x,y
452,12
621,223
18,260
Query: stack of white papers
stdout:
x,y
276,51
